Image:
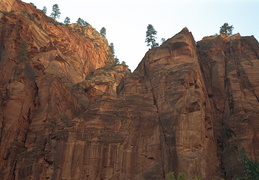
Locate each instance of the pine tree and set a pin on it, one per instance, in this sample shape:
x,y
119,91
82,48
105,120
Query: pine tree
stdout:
x,y
162,40
55,12
82,22
44,10
150,36
225,28
116,60
112,48
103,32
123,63
67,21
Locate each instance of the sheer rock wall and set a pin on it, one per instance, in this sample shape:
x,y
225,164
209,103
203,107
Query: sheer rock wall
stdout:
x,y
67,113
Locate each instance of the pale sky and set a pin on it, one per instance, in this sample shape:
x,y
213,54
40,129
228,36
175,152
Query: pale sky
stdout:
x,y
126,21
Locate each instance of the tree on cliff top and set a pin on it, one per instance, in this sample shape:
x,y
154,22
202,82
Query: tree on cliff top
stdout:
x,y
67,21
103,32
82,22
150,36
44,10
55,11
225,28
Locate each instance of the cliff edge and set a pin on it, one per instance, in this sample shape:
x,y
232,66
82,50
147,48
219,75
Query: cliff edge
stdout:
x,y
67,112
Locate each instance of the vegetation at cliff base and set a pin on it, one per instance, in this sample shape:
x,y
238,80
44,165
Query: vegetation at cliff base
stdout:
x,y
180,176
250,170
250,167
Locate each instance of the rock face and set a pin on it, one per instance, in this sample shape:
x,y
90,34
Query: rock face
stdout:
x,y
7,5
185,116
67,113
230,67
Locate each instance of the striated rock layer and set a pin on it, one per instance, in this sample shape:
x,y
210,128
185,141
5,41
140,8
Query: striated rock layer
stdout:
x,y
67,113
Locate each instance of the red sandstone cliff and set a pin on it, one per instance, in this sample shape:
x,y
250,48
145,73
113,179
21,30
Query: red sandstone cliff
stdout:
x,y
230,67
65,113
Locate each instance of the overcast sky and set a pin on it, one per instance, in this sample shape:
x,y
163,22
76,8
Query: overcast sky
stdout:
x,y
126,20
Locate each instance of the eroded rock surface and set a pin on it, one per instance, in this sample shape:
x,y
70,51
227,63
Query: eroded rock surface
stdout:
x,y
230,66
67,113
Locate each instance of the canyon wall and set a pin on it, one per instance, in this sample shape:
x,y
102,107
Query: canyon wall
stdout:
x,y
68,112
230,68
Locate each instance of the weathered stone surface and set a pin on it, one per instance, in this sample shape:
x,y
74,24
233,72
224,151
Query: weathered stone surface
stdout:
x,y
6,5
41,61
185,115
67,113
230,66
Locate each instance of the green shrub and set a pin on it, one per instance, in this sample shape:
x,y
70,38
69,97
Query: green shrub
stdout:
x,y
181,176
170,176
250,167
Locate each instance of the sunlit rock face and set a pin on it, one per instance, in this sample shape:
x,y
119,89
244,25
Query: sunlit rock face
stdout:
x,y
7,5
67,113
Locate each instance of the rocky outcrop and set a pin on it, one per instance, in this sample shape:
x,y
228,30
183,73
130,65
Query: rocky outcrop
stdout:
x,y
67,113
230,67
185,116
41,61
7,5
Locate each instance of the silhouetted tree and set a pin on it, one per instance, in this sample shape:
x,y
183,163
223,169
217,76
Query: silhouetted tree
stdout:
x,y
123,63
163,40
103,32
112,48
116,60
67,21
150,36
225,28
44,10
82,22
55,11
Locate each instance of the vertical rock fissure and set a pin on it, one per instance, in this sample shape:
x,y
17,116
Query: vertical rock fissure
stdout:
x,y
219,113
1,116
14,169
35,95
222,122
227,102
162,135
